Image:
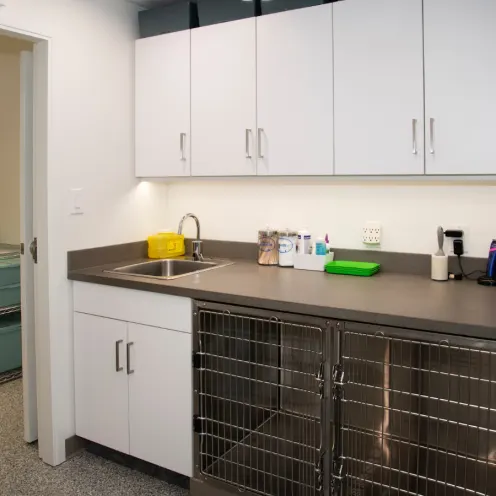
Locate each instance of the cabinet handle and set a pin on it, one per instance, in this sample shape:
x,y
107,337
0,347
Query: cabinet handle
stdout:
x,y
260,132
247,143
414,136
182,138
118,367
128,350
431,151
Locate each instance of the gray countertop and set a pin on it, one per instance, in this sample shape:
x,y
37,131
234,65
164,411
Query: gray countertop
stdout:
x,y
399,300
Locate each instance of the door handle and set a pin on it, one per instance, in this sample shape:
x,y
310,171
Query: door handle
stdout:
x,y
182,138
414,136
431,126
118,367
260,132
128,355
247,143
33,248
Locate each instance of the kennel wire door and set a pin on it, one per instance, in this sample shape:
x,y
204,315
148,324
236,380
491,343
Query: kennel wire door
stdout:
x,y
418,414
261,396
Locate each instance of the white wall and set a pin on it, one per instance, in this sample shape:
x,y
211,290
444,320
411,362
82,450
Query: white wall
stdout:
x,y
409,211
90,146
10,221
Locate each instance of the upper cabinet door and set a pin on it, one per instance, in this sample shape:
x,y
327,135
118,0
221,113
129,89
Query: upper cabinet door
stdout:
x,y
460,86
378,87
223,99
295,92
163,80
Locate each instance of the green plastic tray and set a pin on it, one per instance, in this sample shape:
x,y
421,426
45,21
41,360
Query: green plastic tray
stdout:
x,y
10,272
10,342
365,269
10,295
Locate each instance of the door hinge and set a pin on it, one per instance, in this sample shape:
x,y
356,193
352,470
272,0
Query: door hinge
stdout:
x,y
33,248
319,470
337,476
197,424
338,381
197,360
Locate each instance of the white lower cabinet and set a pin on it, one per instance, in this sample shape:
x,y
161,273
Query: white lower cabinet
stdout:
x,y
134,389
160,416
101,390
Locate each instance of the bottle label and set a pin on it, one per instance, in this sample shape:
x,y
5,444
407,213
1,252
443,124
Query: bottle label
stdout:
x,y
286,245
266,244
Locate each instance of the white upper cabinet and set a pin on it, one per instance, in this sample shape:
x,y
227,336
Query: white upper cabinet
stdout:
x,y
378,87
223,99
163,135
460,86
295,92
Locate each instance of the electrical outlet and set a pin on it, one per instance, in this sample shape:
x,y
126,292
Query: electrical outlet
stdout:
x,y
465,237
372,232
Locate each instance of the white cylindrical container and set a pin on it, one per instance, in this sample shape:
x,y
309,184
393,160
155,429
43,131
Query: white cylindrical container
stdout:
x,y
287,247
304,242
320,246
439,267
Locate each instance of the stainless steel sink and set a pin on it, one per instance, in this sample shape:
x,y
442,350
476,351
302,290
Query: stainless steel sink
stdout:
x,y
171,268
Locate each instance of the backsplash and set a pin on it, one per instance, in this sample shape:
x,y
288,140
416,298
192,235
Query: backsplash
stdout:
x,y
409,213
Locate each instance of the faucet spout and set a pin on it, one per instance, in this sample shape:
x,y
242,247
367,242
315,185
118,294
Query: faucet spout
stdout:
x,y
197,243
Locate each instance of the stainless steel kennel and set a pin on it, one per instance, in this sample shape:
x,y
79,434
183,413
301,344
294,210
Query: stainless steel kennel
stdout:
x,y
289,405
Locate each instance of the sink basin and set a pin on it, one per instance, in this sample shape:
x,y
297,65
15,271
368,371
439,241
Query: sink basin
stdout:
x,y
170,268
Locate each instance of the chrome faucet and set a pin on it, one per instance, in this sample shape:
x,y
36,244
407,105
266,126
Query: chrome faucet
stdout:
x,y
197,243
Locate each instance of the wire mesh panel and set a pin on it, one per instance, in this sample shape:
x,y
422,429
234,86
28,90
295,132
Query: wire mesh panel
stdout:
x,y
419,417
260,397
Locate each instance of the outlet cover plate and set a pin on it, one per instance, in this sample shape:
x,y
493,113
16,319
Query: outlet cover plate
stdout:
x,y
372,233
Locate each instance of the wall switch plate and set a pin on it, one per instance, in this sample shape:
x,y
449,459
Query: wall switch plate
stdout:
x,y
372,232
76,201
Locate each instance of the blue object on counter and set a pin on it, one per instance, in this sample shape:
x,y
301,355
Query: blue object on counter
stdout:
x,y
491,261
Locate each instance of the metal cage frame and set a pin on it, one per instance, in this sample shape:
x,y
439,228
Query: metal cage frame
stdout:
x,y
402,412
257,446
415,413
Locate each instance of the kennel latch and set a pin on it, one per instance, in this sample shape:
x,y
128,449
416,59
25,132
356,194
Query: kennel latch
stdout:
x,y
338,382
197,360
197,424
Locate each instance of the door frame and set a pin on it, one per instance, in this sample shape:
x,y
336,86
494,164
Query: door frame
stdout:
x,y
41,351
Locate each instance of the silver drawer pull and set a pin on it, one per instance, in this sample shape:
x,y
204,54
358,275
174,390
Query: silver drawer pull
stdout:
x,y
432,151
128,349
260,132
414,136
118,367
182,139
247,143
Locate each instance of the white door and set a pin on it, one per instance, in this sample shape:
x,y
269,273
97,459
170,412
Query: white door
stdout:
x,y
160,398
294,92
163,134
223,99
101,381
460,82
378,87
27,262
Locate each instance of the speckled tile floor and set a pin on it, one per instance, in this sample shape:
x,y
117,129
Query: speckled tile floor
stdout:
x,y
22,473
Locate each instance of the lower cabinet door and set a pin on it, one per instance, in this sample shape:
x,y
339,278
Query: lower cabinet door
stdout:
x,y
160,397
101,381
